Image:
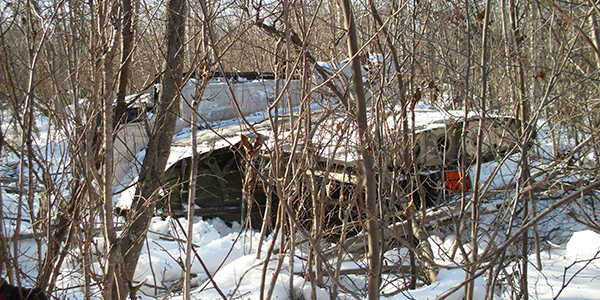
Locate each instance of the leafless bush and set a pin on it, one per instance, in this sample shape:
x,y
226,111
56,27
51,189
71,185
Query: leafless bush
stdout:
x,y
537,62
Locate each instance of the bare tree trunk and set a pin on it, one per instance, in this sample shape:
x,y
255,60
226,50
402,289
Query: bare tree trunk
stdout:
x,y
27,117
467,107
191,199
111,44
523,113
126,54
596,36
370,200
475,201
4,257
159,144
596,114
5,264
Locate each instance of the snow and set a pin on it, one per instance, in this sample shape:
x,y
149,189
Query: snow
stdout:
x,y
570,270
584,244
447,280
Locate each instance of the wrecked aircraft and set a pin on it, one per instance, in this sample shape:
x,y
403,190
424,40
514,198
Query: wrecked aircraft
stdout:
x,y
438,140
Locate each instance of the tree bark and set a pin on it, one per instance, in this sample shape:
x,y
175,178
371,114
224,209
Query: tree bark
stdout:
x,y
109,81
3,243
475,200
366,164
159,144
191,203
523,113
126,53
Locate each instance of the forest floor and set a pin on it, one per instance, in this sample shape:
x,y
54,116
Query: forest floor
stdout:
x,y
569,256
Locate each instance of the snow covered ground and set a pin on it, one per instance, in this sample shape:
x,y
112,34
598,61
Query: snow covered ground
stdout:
x,y
569,272
570,261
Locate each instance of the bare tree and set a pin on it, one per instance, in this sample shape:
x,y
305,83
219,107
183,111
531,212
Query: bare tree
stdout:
x,y
159,144
535,62
370,200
